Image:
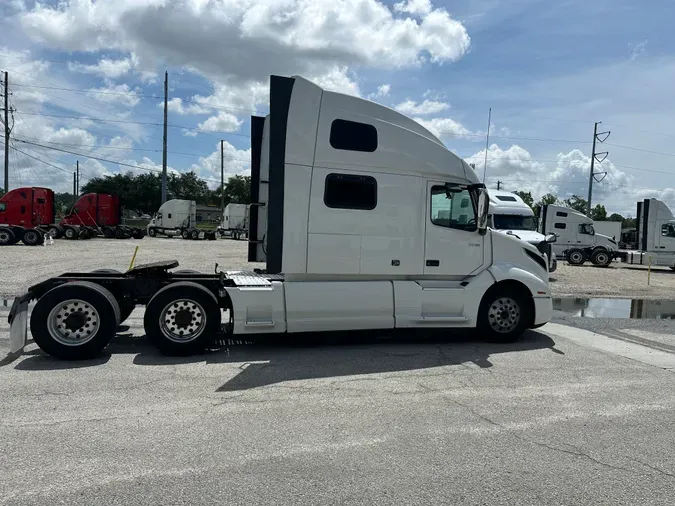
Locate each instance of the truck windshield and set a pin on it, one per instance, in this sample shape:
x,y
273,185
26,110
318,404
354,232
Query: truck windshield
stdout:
x,y
513,222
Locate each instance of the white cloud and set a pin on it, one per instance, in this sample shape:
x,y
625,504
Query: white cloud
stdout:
x,y
338,79
410,107
445,127
110,69
235,161
116,94
382,91
251,39
223,122
176,105
636,49
415,7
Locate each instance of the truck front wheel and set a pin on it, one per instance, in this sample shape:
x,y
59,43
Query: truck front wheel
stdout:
x,y
182,318
75,321
504,315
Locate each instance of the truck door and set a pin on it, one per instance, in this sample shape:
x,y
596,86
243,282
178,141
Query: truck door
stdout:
x,y
453,245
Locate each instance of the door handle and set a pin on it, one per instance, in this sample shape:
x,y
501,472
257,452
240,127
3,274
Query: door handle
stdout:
x,y
433,263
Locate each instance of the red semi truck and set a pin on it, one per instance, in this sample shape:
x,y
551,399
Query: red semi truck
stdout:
x,y
26,214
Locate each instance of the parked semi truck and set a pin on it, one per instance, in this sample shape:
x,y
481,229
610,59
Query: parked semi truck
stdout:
x,y
359,215
655,231
511,215
577,240
235,221
178,217
100,213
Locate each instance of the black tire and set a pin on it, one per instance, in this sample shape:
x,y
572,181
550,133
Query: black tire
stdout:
x,y
55,231
576,256
190,304
601,258
120,233
32,237
137,233
194,235
152,232
95,302
498,303
71,233
7,237
185,234
108,232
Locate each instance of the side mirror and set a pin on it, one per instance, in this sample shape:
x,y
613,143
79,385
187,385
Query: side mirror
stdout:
x,y
551,238
483,208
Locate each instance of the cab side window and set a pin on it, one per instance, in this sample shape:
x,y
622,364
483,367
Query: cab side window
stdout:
x,y
3,206
667,230
457,211
585,228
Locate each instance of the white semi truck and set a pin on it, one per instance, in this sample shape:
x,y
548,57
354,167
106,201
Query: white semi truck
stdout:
x,y
235,221
511,215
655,230
365,220
577,240
177,217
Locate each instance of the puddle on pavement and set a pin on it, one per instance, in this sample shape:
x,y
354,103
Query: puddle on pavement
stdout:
x,y
616,308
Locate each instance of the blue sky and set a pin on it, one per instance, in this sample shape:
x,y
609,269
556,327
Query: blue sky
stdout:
x,y
548,71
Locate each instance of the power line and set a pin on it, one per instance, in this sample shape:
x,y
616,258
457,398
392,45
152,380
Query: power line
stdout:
x,y
640,149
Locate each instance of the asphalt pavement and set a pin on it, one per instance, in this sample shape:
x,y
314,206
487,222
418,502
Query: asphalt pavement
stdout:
x,y
562,417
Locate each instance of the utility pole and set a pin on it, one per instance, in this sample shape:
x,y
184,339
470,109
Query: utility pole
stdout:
x,y
222,178
166,108
487,142
74,188
594,155
7,130
77,185
499,185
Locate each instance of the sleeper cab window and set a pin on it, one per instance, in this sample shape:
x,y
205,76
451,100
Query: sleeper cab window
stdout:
x,y
454,212
562,226
353,136
349,191
562,214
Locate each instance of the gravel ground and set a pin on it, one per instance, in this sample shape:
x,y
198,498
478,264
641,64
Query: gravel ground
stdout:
x,y
22,266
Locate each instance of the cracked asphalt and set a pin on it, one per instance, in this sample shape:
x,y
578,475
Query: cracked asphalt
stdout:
x,y
413,419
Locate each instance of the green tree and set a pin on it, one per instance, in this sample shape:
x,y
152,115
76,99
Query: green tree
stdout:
x,y
238,190
527,197
188,186
616,217
547,200
577,203
2,192
599,213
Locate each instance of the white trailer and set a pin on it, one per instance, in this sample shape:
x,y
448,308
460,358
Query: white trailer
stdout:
x,y
608,228
509,214
235,221
577,239
177,217
365,220
655,232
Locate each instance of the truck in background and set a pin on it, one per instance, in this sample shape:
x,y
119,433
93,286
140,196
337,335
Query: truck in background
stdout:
x,y
511,215
364,219
235,221
655,231
577,240
25,214
100,213
178,217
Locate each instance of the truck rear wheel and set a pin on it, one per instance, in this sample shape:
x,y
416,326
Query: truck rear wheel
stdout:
x,y
55,231
32,237
601,258
7,237
71,233
504,314
182,318
120,233
137,233
108,232
576,256
194,235
75,321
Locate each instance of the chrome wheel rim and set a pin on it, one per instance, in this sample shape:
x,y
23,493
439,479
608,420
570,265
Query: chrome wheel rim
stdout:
x,y
601,258
182,320
73,322
504,314
575,257
4,236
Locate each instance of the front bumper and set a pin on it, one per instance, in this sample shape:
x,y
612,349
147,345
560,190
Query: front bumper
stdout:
x,y
543,310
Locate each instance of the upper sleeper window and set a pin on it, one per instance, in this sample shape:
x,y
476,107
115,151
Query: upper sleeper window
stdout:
x,y
353,136
41,200
561,214
506,199
346,191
